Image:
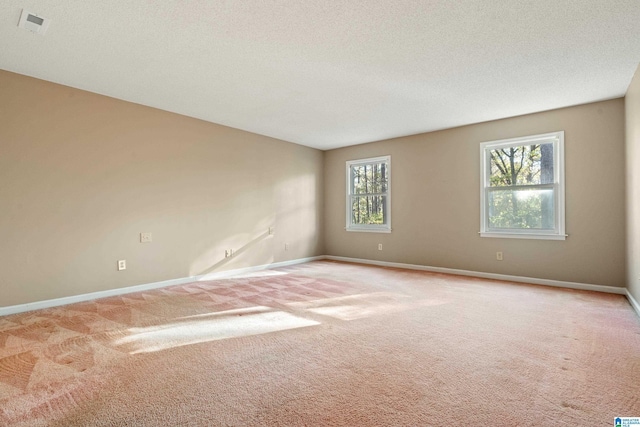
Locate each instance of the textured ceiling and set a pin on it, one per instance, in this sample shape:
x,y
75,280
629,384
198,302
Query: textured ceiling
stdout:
x,y
326,73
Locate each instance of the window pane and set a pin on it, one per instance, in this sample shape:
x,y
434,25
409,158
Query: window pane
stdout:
x,y
521,165
521,209
368,210
369,178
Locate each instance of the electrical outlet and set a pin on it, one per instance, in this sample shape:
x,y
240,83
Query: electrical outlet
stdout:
x,y
272,230
228,253
122,264
145,237
499,256
286,246
379,246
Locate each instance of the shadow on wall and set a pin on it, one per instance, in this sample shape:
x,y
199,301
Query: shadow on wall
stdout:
x,y
291,208
298,204
238,252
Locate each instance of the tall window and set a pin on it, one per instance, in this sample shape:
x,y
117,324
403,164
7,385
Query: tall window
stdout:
x,y
522,187
369,195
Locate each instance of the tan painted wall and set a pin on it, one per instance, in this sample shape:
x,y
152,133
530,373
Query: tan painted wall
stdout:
x,y
632,113
81,175
436,197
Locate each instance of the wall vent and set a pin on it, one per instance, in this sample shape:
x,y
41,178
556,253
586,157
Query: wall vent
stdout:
x,y
33,22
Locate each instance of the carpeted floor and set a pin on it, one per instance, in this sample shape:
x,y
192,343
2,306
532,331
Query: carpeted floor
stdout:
x,y
326,344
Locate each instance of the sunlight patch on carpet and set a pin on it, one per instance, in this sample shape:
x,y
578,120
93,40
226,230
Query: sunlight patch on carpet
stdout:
x,y
262,273
360,306
210,327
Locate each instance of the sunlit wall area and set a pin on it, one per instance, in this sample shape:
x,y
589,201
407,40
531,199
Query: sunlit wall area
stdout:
x,y
632,111
82,175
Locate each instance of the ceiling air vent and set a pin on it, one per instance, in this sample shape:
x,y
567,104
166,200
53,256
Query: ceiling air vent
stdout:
x,y
33,22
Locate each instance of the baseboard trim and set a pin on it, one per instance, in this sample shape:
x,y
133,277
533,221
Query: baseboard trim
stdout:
x,y
633,302
21,308
494,276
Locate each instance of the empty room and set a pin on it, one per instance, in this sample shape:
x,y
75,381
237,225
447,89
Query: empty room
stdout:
x,y
308,213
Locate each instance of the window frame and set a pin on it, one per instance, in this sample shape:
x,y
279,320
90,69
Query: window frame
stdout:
x,y
558,233
371,228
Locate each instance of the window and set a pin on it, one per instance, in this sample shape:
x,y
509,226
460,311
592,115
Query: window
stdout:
x,y
522,187
369,195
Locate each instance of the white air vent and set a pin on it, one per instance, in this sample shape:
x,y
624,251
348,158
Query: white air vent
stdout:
x,y
33,22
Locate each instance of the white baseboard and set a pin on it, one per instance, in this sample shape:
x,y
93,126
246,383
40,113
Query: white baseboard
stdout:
x,y
633,302
505,277
20,308
30,306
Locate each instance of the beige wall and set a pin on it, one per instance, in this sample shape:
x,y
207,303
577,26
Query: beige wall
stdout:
x,y
81,175
632,111
436,199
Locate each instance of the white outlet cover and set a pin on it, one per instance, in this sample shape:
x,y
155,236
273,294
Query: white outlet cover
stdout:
x,y
146,237
122,264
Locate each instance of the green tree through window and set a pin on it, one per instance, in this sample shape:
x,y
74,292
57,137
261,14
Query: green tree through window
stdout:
x,y
368,194
523,189
518,198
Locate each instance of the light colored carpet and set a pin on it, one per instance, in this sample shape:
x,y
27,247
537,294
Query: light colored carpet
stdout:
x,y
326,344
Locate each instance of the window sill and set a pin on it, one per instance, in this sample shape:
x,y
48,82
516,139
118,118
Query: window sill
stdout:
x,y
369,230
538,236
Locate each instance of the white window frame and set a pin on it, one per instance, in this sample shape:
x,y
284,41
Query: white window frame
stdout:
x,y
558,233
372,228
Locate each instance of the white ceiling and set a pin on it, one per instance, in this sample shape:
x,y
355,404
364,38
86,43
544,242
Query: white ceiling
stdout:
x,y
328,73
